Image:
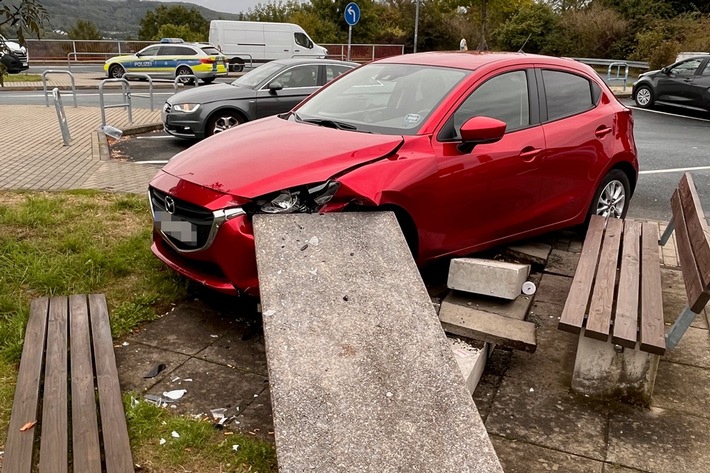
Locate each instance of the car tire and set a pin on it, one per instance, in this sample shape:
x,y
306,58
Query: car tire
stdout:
x,y
643,96
116,71
221,121
612,196
236,67
185,71
208,80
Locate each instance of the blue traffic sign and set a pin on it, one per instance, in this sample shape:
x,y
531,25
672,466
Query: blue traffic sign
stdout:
x,y
352,13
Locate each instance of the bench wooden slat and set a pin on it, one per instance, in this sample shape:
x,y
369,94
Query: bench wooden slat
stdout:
x,y
576,304
18,446
54,450
696,226
599,319
652,329
627,305
113,420
86,452
691,276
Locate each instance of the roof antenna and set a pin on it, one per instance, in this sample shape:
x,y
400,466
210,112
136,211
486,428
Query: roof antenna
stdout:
x,y
526,42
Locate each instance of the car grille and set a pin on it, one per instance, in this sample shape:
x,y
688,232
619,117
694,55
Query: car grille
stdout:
x,y
200,217
22,57
167,107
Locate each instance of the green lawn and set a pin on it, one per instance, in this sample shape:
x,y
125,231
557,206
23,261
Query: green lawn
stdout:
x,y
92,242
22,77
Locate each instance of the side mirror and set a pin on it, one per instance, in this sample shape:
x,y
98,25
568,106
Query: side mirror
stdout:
x,y
479,131
666,71
275,86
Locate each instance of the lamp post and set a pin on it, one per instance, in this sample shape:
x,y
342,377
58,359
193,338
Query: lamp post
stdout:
x,y
416,26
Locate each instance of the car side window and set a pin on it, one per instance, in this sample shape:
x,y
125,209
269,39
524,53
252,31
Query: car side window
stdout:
x,y
300,76
302,40
332,71
504,97
567,94
177,51
686,68
150,51
706,69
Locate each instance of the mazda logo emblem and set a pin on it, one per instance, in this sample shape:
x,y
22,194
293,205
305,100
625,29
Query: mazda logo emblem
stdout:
x,y
169,205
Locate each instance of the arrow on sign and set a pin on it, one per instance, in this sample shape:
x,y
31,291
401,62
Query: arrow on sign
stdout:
x,y
351,10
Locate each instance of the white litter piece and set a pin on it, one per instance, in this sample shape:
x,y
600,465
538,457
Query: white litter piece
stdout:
x,y
235,447
389,394
218,413
175,435
529,288
162,441
532,390
175,379
176,394
313,241
124,344
270,312
188,380
214,336
313,272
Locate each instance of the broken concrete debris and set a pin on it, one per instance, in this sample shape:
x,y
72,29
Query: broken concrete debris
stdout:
x,y
487,277
155,370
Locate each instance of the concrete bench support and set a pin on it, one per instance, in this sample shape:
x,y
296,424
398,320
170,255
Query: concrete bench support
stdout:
x,y
362,376
603,369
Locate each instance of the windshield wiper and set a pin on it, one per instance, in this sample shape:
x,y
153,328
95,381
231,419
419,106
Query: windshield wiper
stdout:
x,y
328,123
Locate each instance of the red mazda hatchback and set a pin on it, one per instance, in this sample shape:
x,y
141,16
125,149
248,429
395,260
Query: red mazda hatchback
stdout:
x,y
470,150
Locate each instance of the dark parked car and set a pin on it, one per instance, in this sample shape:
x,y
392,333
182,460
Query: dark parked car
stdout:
x,y
275,87
685,83
470,150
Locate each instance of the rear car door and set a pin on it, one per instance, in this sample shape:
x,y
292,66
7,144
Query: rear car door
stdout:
x,y
298,82
700,86
580,137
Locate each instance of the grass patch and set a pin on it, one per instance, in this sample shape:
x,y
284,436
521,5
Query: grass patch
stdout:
x,y
82,242
22,77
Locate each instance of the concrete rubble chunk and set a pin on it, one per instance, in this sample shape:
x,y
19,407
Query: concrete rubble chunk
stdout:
x,y
362,376
479,325
471,360
487,277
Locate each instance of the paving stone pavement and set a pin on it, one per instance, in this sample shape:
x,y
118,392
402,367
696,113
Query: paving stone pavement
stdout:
x,y
214,346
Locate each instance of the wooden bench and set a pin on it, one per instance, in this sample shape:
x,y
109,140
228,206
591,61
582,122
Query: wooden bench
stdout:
x,y
615,301
59,382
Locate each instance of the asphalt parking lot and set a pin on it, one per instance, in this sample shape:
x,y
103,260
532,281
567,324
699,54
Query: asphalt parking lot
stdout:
x,y
155,147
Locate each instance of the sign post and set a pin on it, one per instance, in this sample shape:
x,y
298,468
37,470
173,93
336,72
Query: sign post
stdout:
x,y
352,16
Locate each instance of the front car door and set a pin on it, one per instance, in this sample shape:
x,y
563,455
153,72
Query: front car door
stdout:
x,y
298,82
145,60
677,85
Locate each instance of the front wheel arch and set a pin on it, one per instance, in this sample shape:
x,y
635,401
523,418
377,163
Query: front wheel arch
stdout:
x,y
614,189
406,222
209,122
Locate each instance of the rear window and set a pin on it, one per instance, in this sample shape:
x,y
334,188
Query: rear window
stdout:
x,y
567,94
211,51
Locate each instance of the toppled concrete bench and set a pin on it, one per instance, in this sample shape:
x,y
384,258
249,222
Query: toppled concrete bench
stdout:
x,y
362,376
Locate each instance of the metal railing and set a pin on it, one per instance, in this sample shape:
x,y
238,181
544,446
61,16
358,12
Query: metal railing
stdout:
x,y
44,84
61,116
126,92
88,54
618,76
608,62
184,79
138,75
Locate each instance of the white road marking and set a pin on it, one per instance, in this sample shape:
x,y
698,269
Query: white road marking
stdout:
x,y
665,171
159,161
669,114
161,137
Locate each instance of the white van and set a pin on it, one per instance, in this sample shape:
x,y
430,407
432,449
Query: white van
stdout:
x,y
252,43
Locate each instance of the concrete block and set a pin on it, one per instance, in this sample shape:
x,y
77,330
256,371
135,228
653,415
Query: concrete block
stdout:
x,y
532,252
604,370
487,277
362,376
479,325
471,361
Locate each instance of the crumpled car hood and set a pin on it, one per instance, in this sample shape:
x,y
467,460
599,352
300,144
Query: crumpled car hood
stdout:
x,y
272,154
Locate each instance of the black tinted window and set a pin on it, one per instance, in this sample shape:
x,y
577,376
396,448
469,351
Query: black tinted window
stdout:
x,y
567,94
504,97
211,51
302,40
332,71
177,51
686,68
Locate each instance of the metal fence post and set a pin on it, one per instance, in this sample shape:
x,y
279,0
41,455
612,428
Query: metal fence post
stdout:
x,y
63,125
44,84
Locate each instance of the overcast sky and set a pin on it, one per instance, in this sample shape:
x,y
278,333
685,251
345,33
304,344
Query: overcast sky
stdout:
x,y
227,6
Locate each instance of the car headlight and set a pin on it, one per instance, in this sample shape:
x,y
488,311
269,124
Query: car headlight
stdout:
x,y
303,199
186,107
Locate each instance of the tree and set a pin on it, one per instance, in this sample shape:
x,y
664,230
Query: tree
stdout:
x,y
22,17
84,29
192,20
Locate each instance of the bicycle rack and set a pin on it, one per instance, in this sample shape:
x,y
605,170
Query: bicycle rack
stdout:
x,y
63,125
181,78
126,91
618,66
55,71
138,75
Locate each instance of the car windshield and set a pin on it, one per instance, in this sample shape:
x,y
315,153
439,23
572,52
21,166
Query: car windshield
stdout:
x,y
382,98
256,76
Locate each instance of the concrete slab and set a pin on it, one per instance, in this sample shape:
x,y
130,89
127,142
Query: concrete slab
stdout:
x,y
519,457
549,416
693,349
488,277
357,359
532,252
470,360
553,289
479,325
673,305
241,346
658,441
563,263
682,388
135,360
487,388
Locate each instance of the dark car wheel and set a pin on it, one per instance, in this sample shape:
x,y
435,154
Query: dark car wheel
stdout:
x,y
185,71
222,121
644,96
612,196
208,80
116,71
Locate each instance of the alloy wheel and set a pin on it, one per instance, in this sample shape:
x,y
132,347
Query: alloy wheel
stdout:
x,y
612,200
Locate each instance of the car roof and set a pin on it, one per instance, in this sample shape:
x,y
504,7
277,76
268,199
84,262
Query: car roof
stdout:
x,y
311,60
472,60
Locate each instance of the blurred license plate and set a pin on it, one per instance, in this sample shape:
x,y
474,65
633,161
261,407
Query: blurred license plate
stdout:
x,y
181,230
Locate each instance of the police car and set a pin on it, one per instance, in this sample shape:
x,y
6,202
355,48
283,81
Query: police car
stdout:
x,y
169,59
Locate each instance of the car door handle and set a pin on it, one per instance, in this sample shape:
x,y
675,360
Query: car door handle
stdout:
x,y
602,131
529,153
689,79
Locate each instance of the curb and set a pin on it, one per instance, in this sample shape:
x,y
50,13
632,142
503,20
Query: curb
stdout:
x,y
104,150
